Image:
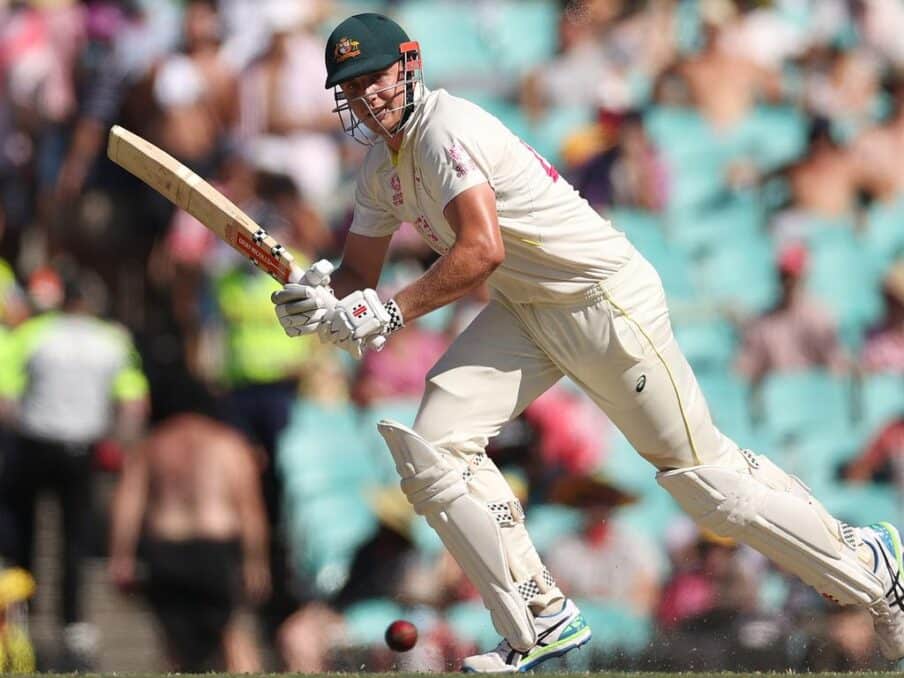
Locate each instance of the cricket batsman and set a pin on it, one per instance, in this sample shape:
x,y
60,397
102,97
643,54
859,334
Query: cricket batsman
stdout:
x,y
569,296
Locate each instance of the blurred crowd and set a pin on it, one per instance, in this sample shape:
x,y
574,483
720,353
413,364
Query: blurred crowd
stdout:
x,y
753,150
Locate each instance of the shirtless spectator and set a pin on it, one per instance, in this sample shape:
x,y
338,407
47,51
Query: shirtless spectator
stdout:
x,y
193,484
196,92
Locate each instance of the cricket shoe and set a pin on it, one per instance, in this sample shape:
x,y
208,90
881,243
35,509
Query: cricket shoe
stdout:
x,y
888,611
557,634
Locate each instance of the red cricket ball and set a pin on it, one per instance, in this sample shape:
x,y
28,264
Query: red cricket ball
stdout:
x,y
401,635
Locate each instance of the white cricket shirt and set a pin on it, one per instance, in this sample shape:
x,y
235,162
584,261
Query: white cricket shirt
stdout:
x,y
556,245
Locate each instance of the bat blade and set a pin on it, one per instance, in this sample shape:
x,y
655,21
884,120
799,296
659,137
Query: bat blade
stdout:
x,y
182,187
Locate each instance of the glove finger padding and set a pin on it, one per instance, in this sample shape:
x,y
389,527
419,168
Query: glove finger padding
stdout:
x,y
303,307
314,319
292,292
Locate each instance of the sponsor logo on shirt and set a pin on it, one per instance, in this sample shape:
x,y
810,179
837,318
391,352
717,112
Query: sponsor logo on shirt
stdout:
x,y
459,159
396,185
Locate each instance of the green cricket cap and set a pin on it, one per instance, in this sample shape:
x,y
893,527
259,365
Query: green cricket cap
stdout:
x,y
361,44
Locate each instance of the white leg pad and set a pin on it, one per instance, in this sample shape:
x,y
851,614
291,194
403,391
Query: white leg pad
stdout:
x,y
757,503
436,488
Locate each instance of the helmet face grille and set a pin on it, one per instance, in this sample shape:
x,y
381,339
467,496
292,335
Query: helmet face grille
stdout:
x,y
413,81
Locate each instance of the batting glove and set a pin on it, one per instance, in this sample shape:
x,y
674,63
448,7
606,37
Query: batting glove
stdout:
x,y
361,316
302,309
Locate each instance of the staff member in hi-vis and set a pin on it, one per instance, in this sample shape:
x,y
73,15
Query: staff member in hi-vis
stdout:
x,y
570,296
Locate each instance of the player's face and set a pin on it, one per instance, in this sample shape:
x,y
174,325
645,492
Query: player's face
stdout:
x,y
377,99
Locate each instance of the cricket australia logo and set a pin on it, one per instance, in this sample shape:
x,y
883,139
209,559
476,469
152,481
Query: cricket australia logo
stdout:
x,y
346,49
396,185
459,159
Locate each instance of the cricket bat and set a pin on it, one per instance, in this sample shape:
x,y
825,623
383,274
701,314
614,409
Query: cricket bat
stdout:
x,y
187,190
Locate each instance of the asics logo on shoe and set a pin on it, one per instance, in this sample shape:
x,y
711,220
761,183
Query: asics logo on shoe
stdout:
x,y
576,625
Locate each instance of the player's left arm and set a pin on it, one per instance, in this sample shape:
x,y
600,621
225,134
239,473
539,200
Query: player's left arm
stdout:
x,y
477,252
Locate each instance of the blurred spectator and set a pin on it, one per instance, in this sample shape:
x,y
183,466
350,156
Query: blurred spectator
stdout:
x,y
823,189
883,457
398,372
193,483
796,334
844,643
286,114
878,157
849,94
610,51
569,431
16,652
706,576
69,380
606,562
631,173
195,92
710,603
883,348
96,80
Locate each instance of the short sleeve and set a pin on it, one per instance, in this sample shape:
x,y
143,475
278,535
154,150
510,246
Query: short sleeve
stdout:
x,y
371,218
451,162
130,382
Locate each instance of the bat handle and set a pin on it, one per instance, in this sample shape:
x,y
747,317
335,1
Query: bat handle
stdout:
x,y
319,273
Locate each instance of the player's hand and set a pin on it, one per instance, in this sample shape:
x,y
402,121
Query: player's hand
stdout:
x,y
361,315
301,308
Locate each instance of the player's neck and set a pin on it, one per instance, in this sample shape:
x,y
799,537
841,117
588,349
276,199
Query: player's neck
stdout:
x,y
395,141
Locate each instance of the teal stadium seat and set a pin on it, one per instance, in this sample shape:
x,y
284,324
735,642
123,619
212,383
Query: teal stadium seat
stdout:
x,y
452,45
730,220
708,344
738,273
863,504
616,628
522,34
326,466
801,405
884,235
630,471
646,232
549,522
881,399
700,156
471,622
844,280
492,44
325,531
728,397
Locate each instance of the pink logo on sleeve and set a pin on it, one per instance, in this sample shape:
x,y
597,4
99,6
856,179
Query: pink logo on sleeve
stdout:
x,y
396,185
427,233
459,159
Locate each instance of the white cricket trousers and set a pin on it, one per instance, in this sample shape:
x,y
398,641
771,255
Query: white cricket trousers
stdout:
x,y
615,341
